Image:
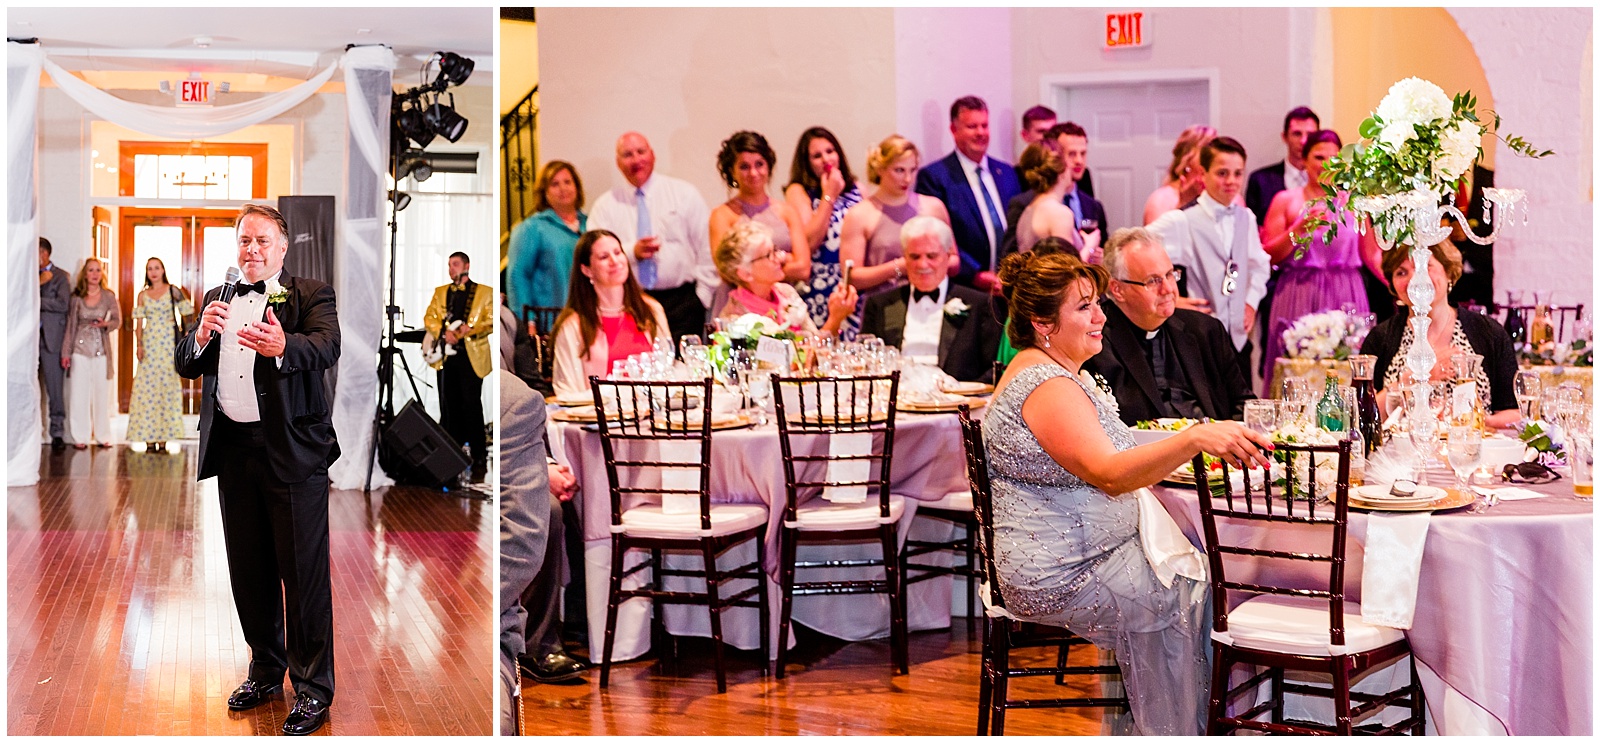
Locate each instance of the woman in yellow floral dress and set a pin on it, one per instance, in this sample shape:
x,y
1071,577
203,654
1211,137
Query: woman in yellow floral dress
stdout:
x,y
155,415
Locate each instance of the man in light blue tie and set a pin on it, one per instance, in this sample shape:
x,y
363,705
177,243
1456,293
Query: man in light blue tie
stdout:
x,y
974,187
664,224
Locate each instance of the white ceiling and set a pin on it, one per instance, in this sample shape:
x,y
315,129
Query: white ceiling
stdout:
x,y
283,42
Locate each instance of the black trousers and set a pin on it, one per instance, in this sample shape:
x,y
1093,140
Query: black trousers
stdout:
x,y
276,534
685,314
461,405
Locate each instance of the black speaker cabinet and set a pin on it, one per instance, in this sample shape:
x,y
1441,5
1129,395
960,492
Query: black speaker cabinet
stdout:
x,y
419,451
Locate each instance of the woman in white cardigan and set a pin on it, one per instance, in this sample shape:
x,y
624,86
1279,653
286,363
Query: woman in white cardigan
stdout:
x,y
608,317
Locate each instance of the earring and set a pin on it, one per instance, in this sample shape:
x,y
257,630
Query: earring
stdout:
x,y
1047,341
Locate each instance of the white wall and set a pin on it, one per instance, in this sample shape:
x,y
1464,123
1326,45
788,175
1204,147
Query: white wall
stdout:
x,y
942,54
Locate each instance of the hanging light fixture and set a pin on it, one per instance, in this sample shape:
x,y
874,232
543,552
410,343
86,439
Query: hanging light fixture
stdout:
x,y
444,120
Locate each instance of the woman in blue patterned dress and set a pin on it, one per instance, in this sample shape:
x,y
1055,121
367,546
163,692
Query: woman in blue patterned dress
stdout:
x,y
155,415
1066,525
821,189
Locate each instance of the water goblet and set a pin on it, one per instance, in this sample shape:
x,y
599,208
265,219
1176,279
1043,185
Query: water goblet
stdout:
x,y
1261,416
1527,386
1464,450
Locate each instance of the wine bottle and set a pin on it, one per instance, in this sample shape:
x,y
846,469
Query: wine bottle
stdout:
x,y
1332,413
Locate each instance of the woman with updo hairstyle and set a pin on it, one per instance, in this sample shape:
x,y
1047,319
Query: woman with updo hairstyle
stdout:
x,y
749,262
1045,246
1047,215
745,163
608,316
870,235
1065,474
1185,177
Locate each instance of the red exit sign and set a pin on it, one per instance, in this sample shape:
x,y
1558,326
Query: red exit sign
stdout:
x,y
1125,30
194,92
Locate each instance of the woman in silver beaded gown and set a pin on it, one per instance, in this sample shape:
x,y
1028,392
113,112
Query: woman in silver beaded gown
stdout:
x,y
1062,464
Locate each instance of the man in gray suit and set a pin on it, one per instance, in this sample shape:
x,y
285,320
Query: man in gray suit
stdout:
x,y
55,291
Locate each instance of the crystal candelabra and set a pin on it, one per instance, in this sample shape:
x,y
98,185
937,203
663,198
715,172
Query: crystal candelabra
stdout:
x,y
1429,222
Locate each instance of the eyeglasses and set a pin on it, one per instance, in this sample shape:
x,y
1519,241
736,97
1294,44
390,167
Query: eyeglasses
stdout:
x,y
1532,473
1154,282
1230,282
769,255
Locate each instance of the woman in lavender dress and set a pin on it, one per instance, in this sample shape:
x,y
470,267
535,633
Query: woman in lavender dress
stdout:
x,y
745,163
821,189
870,233
1328,275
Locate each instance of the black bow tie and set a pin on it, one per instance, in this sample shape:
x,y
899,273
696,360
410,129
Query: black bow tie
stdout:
x,y
243,288
918,294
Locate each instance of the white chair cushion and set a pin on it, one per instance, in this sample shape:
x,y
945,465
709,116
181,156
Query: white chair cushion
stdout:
x,y
726,518
1299,625
820,515
961,501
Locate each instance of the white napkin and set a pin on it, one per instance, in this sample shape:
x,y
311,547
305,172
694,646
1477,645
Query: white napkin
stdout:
x,y
1168,550
855,470
1511,493
679,478
1392,564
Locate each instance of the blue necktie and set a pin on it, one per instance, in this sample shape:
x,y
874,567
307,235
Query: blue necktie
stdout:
x,y
647,266
1077,209
998,226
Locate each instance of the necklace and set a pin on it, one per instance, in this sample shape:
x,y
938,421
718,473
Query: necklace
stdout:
x,y
611,310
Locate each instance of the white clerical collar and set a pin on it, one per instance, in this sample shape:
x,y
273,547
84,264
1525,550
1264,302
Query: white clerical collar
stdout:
x,y
1150,335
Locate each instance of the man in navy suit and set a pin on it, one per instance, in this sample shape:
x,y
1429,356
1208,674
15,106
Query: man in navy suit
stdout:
x,y
1073,144
975,189
1290,172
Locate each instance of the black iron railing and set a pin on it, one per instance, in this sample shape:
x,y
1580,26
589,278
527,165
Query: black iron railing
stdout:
x,y
519,159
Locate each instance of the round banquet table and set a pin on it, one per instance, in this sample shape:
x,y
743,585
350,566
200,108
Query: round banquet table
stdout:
x,y
1504,622
747,467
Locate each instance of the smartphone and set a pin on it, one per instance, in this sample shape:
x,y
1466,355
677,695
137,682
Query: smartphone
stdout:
x,y
849,264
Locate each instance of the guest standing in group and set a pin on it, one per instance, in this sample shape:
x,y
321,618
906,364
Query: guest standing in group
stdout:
x,y
1048,215
975,188
1328,275
267,436
461,316
1185,176
541,245
86,356
1066,522
745,163
608,317
821,190
753,266
1035,122
1072,142
55,296
870,235
662,222
155,415
1288,174
1450,332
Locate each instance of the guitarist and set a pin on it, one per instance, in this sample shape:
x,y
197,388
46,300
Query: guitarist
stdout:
x,y
462,315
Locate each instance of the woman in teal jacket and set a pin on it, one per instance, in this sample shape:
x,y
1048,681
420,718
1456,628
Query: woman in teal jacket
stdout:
x,y
541,245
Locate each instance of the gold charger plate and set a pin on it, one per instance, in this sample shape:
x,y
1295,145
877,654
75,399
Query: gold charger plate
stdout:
x,y
944,407
969,389
1453,498
717,423
580,415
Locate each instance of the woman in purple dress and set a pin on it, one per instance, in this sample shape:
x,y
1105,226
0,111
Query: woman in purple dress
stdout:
x,y
1328,275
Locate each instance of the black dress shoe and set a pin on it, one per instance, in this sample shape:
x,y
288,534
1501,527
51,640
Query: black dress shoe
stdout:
x,y
252,694
554,668
308,714
56,444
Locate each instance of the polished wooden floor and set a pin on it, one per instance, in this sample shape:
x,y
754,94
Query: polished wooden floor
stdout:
x,y
830,688
120,620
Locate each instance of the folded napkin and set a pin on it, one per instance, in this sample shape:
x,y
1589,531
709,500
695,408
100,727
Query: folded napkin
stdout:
x,y
1392,564
679,478
1168,550
1510,493
855,470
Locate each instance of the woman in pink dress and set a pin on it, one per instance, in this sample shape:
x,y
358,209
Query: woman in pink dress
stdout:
x,y
608,317
749,261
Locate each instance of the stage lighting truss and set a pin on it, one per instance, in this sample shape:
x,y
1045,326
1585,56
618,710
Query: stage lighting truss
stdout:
x,y
418,118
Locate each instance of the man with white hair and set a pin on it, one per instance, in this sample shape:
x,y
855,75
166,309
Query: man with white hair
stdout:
x,y
933,319
1161,361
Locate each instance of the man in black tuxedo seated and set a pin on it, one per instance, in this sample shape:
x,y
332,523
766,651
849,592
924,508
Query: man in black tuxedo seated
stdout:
x,y
933,318
267,436
1162,362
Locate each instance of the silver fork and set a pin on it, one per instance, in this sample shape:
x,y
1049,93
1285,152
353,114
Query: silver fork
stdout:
x,y
1490,499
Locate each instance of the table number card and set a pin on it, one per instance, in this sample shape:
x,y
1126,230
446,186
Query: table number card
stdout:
x,y
774,351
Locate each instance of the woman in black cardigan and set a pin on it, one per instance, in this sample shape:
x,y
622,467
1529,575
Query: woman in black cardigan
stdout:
x,y
1451,332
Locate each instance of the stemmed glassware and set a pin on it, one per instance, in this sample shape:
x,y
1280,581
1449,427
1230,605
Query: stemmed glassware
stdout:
x,y
1296,398
1464,450
1527,386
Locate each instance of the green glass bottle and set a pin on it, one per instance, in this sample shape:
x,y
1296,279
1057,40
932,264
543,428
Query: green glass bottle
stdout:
x,y
1332,413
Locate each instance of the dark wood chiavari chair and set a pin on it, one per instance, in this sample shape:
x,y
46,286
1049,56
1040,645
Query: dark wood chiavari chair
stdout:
x,y
542,322
635,420
810,411
1003,632
1328,635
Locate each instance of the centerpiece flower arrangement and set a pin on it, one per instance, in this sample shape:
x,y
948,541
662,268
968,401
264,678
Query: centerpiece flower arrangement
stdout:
x,y
1334,334
1546,442
744,333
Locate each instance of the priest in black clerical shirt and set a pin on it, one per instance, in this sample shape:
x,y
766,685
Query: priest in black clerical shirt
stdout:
x,y
1162,362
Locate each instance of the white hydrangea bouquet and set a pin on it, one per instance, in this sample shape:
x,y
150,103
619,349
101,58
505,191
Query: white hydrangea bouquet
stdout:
x,y
1299,469
744,333
1415,148
1334,334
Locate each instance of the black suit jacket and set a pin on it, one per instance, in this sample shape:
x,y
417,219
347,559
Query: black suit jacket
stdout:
x,y
295,417
968,343
1093,211
1264,184
1204,348
946,181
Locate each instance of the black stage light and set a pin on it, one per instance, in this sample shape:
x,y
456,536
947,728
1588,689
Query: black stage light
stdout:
x,y
414,164
455,67
444,120
413,123
400,199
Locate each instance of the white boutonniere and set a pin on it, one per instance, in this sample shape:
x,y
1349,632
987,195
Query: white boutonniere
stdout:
x,y
956,308
1099,389
276,292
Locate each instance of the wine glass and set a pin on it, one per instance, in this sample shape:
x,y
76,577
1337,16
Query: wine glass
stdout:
x,y
756,383
1527,386
1261,416
1465,449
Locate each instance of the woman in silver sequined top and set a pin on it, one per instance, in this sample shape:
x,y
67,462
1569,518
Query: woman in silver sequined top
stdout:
x,y
1062,466
86,355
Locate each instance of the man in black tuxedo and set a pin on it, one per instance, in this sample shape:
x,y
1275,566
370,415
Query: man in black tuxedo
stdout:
x,y
974,188
266,435
932,318
1162,362
1073,143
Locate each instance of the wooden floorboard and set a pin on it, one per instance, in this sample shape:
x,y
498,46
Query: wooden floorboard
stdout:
x,y
830,688
120,620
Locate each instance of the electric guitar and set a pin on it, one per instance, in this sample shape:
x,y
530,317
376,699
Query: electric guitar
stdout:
x,y
434,347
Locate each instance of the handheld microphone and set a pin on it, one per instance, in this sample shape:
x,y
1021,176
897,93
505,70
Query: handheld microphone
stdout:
x,y
227,286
